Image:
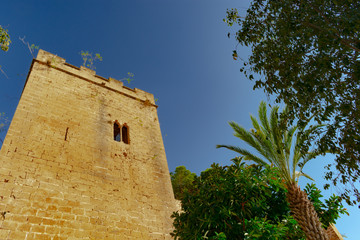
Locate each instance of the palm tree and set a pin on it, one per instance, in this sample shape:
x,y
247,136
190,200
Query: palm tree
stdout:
x,y
273,141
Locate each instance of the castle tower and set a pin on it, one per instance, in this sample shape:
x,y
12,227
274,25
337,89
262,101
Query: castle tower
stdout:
x,y
83,159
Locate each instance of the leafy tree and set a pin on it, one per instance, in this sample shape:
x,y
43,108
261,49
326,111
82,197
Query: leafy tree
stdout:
x,y
307,54
273,142
329,211
239,202
223,198
4,43
4,39
182,180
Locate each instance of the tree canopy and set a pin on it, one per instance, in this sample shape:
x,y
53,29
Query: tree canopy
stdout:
x,y
4,43
272,145
4,39
244,202
306,53
182,180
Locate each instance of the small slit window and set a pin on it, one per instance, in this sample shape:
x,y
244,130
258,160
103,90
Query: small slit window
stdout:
x,y
117,135
125,134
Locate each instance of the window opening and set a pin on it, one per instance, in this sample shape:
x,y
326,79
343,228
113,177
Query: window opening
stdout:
x,y
117,136
125,134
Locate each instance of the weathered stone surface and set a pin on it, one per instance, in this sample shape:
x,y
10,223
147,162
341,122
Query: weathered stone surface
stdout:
x,y
62,174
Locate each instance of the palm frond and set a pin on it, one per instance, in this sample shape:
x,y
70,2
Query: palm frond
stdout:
x,y
272,139
277,138
263,117
301,174
246,154
311,155
249,138
288,138
255,123
265,146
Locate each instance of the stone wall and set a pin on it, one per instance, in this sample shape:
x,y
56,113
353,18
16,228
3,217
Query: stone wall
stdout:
x,y
62,174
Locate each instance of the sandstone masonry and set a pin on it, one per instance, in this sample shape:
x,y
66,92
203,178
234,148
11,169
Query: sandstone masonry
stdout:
x,y
62,174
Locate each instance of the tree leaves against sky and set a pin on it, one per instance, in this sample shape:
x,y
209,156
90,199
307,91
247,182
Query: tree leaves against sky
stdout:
x,y
243,202
306,53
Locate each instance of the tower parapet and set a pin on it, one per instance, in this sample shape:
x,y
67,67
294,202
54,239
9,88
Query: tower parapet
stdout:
x,y
84,73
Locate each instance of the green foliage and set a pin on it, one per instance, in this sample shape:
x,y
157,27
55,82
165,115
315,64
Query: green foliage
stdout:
x,y
264,229
129,78
307,54
227,199
329,211
243,202
4,39
4,43
182,180
273,140
89,59
219,236
33,47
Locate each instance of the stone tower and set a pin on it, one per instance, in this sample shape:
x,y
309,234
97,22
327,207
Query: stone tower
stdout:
x,y
83,159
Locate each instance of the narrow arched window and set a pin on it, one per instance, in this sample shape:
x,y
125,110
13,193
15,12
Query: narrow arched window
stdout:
x,y
117,136
125,134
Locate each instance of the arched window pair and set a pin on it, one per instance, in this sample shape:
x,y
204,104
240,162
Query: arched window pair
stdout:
x,y
121,133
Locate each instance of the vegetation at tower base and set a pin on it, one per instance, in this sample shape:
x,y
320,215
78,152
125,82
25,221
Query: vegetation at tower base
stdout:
x,y
307,54
182,180
244,202
273,142
233,200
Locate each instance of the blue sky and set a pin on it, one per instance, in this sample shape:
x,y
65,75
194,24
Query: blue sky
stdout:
x,y
178,50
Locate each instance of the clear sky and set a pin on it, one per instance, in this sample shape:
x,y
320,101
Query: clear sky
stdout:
x,y
178,50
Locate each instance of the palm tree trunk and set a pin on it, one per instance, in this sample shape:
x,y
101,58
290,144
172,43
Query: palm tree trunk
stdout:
x,y
304,213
